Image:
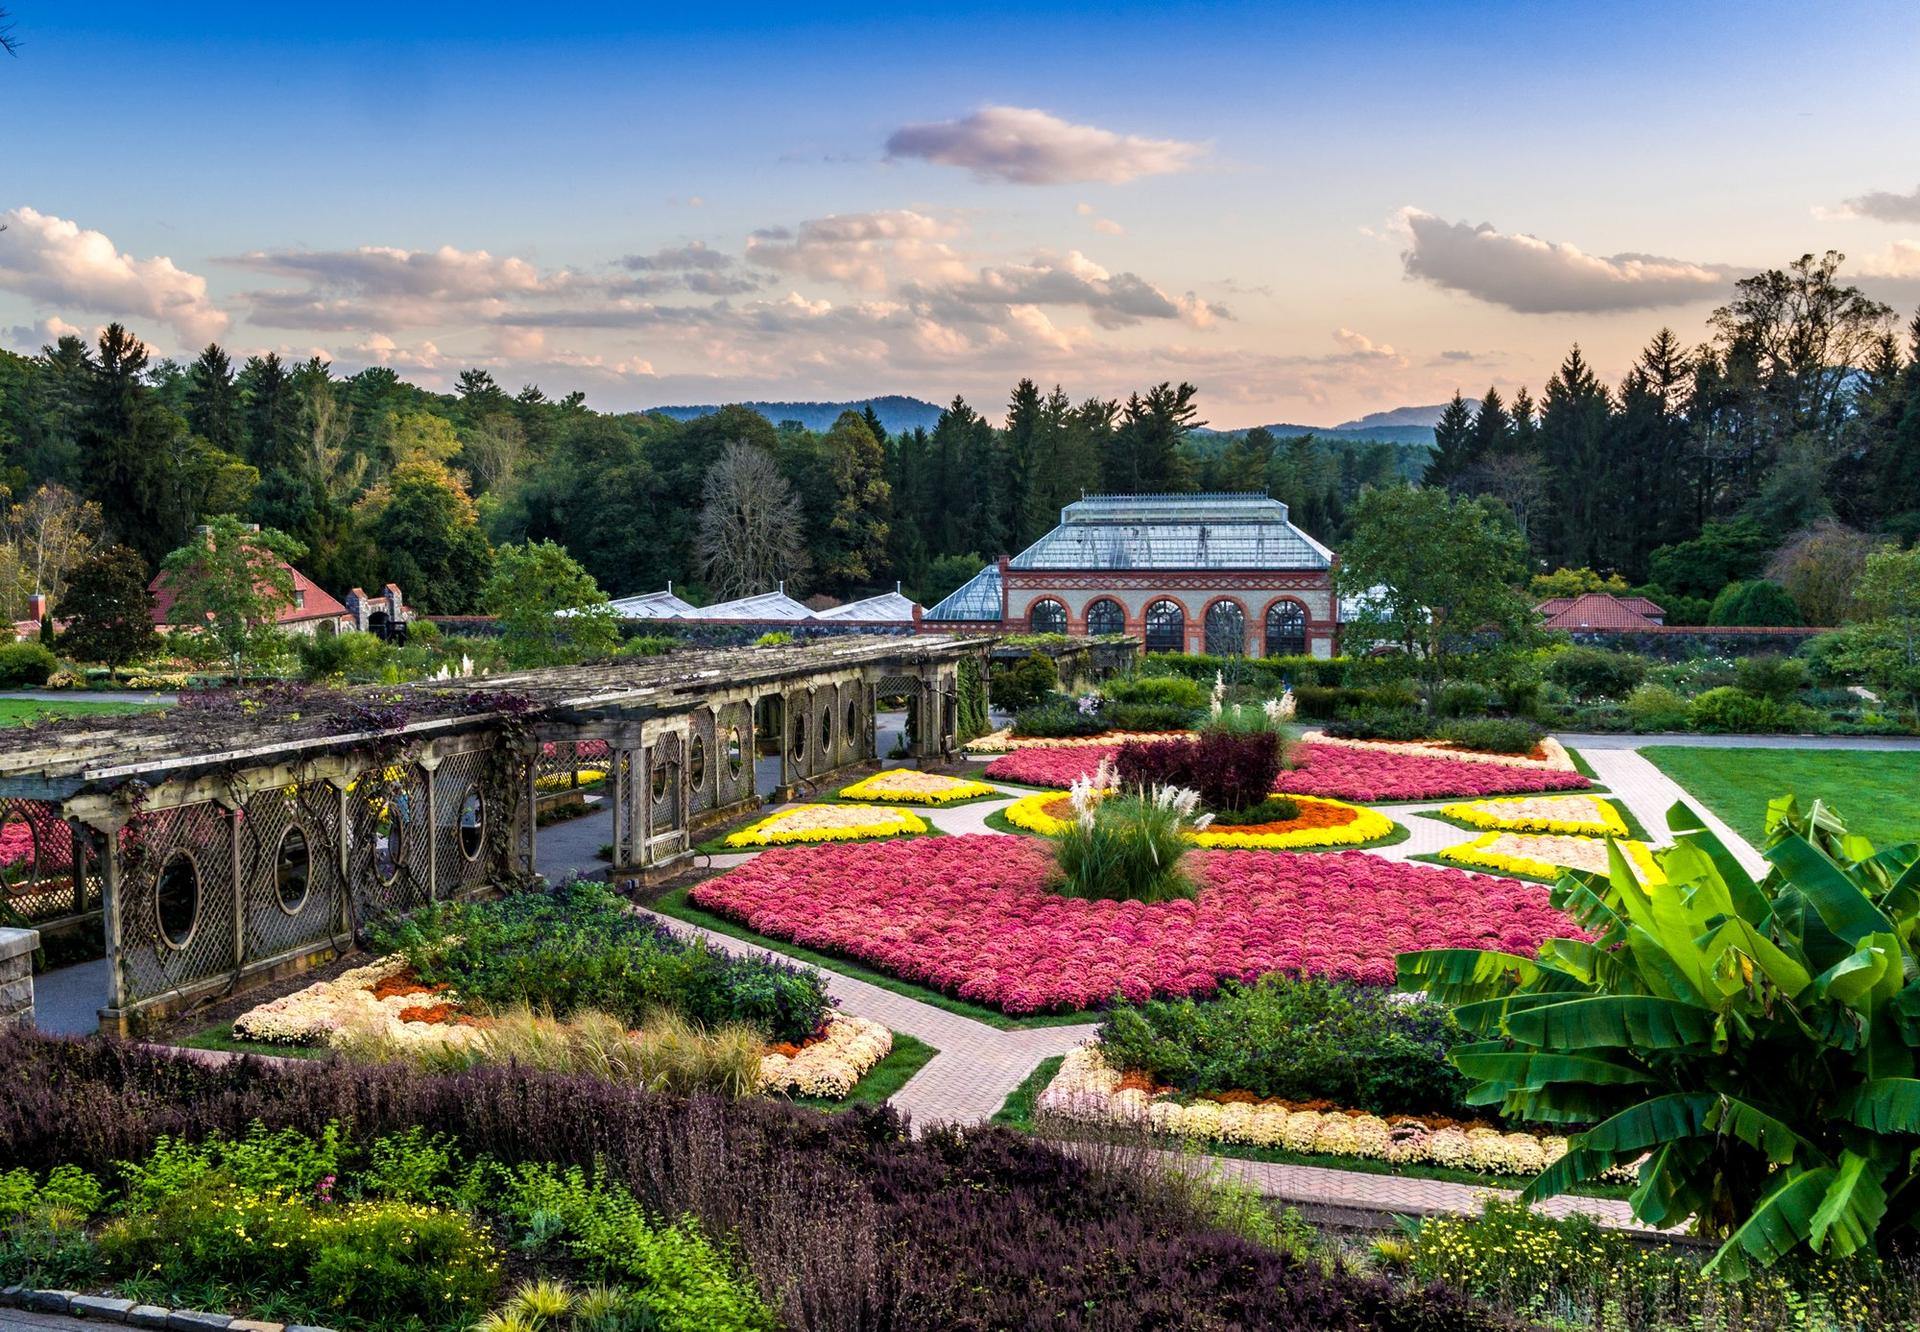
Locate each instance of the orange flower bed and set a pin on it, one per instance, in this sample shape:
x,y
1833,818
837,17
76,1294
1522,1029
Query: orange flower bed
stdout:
x,y
1313,814
435,1013
400,984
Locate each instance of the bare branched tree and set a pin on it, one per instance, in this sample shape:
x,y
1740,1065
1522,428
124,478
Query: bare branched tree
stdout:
x,y
751,533
8,43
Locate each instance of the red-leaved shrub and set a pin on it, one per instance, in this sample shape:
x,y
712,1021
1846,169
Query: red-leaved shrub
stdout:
x,y
1229,771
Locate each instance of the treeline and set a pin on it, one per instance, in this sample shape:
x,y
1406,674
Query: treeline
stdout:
x,y
1793,433
381,481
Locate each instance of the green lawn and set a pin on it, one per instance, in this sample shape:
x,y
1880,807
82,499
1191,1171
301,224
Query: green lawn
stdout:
x,y
675,904
1873,790
908,1056
26,711
220,1037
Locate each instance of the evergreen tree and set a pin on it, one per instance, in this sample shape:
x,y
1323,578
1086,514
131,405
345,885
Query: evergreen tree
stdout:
x,y
1452,444
213,400
272,414
874,428
862,503
1492,432
1024,467
108,610
1574,417
123,445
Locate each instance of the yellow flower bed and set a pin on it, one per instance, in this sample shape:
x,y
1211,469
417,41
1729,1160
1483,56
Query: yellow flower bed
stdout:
x,y
1556,758
918,788
1577,815
1030,812
564,781
1367,825
827,823
1088,1088
831,1065
1549,855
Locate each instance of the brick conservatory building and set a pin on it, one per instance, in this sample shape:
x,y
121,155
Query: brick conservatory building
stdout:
x,y
1226,574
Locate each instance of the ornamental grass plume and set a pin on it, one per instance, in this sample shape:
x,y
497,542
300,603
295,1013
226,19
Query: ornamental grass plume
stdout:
x,y
1127,847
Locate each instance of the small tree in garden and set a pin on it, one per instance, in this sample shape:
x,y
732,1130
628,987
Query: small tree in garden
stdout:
x,y
1426,572
1751,1046
229,585
1886,648
1025,683
108,610
550,609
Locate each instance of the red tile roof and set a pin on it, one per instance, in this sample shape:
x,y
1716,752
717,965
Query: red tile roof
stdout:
x,y
312,601
1598,610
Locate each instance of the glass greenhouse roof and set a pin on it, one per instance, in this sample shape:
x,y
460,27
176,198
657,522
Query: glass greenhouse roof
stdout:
x,y
1202,531
976,599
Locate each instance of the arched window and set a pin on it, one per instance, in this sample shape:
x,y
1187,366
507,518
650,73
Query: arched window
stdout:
x,y
1166,627
1226,629
1047,617
1286,629
1106,616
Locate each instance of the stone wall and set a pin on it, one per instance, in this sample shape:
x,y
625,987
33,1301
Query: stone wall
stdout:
x,y
1681,643
16,975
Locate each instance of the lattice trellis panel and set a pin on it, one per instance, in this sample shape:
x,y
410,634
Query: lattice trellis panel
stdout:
x,y
389,875
627,768
856,723
704,761
286,904
37,880
663,784
198,941
467,817
574,764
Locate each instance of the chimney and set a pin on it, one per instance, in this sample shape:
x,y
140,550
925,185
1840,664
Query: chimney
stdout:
x,y
37,606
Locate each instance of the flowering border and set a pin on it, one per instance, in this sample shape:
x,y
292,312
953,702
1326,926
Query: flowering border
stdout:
x,y
883,822
831,1064
1557,758
1489,813
1475,855
870,788
1088,1088
1004,741
320,1013
1030,813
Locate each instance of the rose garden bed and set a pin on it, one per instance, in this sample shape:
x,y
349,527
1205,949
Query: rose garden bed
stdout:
x,y
1319,824
972,916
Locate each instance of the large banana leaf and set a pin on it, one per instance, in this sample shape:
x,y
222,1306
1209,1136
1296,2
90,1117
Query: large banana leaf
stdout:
x,y
1493,1062
1622,1137
1634,1021
1468,975
1782,1220
1735,940
1747,898
1885,1105
1840,903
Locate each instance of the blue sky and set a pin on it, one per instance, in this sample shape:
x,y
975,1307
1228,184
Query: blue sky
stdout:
x,y
668,205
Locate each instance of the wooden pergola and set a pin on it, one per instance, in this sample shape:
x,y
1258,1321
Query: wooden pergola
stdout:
x,y
239,838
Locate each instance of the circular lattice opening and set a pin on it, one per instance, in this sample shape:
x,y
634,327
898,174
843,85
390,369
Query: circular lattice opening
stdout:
x,y
473,823
293,870
177,899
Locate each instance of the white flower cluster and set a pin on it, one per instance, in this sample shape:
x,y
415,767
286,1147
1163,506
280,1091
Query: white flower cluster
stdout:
x,y
1087,1088
1181,802
1084,793
318,1014
1219,699
1281,709
831,1065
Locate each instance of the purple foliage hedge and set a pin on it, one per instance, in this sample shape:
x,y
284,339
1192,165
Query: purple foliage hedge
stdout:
x,y
1230,771
844,1220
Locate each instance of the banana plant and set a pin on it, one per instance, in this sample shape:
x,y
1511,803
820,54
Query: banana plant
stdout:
x,y
1748,1046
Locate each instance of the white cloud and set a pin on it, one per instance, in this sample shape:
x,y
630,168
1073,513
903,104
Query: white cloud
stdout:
x,y
56,262
679,259
1878,205
1360,346
1899,260
1533,276
28,339
384,287
863,250
1032,147
1114,300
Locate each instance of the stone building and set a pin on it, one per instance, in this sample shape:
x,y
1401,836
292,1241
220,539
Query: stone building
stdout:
x,y
1226,574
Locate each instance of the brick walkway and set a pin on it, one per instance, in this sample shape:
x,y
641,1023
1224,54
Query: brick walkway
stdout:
x,y
979,1065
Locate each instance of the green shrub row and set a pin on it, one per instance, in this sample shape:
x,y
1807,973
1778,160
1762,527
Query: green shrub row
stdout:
x,y
578,946
1303,1039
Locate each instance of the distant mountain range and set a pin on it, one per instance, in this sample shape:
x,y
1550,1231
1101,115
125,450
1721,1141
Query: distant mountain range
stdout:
x,y
1401,425
896,412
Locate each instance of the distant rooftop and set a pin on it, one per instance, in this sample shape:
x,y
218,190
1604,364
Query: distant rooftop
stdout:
x,y
1197,531
652,606
1601,610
